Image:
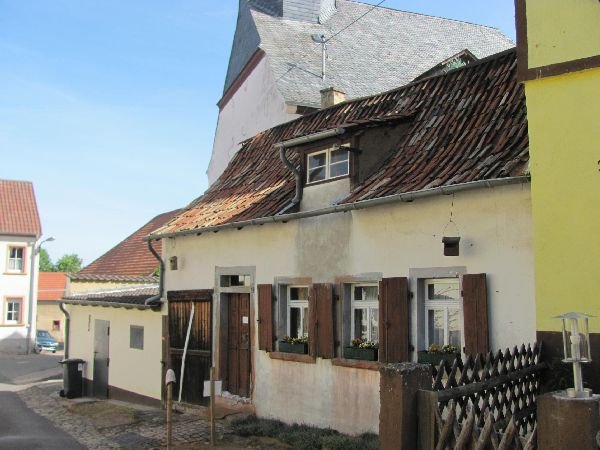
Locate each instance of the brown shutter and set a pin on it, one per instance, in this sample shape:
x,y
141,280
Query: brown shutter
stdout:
x,y
265,317
393,319
475,313
320,311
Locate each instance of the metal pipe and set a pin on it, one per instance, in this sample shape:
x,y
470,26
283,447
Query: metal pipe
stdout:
x,y
67,327
404,197
155,301
311,137
31,303
298,197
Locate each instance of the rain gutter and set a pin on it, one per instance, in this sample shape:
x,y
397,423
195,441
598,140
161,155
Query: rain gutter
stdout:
x,y
405,197
156,300
104,303
67,328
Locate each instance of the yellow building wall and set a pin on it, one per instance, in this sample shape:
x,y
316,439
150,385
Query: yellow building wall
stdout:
x,y
47,313
559,30
564,131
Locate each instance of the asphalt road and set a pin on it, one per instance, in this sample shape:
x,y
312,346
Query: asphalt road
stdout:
x,y
23,369
21,428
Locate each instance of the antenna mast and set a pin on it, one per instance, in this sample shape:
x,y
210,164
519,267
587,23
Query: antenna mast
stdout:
x,y
320,38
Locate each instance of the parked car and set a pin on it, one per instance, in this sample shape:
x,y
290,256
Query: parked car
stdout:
x,y
44,341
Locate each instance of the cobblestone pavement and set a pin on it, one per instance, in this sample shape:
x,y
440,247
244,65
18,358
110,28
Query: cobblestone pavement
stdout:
x,y
120,425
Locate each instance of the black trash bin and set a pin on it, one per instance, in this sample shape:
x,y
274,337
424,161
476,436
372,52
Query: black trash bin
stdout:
x,y
72,378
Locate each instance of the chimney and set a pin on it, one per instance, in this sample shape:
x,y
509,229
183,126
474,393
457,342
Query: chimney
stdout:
x,y
331,96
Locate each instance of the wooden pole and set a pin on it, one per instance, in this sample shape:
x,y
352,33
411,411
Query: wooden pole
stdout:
x,y
212,406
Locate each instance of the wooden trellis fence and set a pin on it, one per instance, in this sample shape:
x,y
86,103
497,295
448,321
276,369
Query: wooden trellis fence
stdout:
x,y
482,402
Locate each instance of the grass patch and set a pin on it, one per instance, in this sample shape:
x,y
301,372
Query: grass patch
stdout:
x,y
302,436
105,414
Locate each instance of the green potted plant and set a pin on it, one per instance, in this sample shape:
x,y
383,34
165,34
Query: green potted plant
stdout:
x,y
436,353
294,344
360,349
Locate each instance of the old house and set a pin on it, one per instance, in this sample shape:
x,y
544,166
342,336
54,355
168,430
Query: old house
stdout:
x,y
20,230
52,286
284,52
114,321
401,218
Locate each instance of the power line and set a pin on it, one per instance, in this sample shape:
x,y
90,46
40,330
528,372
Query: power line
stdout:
x,y
354,21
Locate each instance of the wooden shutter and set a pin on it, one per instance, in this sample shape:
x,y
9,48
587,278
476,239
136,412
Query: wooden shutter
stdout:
x,y
393,320
475,313
265,317
320,311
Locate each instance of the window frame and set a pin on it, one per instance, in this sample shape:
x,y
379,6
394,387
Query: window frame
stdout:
x,y
131,336
7,302
302,305
367,305
9,259
444,305
327,165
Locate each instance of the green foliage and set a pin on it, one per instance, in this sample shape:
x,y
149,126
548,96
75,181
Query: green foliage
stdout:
x,y
69,263
303,436
45,262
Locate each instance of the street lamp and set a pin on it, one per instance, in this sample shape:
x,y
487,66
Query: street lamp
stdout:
x,y
576,349
35,250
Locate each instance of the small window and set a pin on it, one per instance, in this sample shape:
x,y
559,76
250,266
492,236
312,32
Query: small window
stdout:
x,y
297,311
326,164
16,259
136,337
56,325
235,280
365,312
442,312
13,310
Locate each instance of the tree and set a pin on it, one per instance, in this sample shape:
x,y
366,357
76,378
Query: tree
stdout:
x,y
46,264
69,263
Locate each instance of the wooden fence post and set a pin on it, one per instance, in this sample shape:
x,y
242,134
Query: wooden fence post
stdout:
x,y
399,385
427,408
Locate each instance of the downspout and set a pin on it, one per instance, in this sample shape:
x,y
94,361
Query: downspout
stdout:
x,y
155,300
300,141
67,326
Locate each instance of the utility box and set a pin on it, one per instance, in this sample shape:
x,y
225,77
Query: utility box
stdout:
x,y
72,378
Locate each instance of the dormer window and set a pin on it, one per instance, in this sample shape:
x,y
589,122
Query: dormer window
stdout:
x,y
327,164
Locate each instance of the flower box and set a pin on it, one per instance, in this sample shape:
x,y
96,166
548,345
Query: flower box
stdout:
x,y
425,357
287,347
367,354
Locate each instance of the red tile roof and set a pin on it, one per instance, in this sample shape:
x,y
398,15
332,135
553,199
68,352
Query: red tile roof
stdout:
x,y
18,209
467,125
131,256
51,285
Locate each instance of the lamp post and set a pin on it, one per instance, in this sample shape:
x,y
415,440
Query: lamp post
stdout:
x,y
35,250
576,349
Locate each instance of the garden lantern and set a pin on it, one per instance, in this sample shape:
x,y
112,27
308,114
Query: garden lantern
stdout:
x,y
576,348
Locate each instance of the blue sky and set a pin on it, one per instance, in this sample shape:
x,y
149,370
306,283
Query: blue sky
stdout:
x,y
109,107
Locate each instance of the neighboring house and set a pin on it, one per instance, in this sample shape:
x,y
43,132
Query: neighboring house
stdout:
x,y
52,286
115,324
20,230
559,62
276,68
331,226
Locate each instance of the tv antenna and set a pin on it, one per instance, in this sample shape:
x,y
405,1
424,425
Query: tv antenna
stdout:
x,y
320,39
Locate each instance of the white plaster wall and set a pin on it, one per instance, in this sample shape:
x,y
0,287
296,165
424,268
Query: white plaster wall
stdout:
x,y
256,106
134,370
324,194
495,226
13,337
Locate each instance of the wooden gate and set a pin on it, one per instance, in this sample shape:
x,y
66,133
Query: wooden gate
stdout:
x,y
238,344
199,350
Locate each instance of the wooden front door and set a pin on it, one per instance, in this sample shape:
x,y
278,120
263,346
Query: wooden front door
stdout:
x,y
238,344
198,356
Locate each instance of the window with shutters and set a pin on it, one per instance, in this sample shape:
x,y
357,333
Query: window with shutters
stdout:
x,y
365,312
443,319
297,311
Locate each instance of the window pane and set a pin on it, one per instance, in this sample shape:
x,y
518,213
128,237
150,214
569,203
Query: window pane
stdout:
x,y
136,337
305,321
360,323
316,174
375,324
367,293
339,169
295,322
435,326
442,291
298,293
339,156
317,160
454,328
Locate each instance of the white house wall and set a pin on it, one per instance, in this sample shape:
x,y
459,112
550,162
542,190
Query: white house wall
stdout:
x,y
256,106
13,338
392,240
133,370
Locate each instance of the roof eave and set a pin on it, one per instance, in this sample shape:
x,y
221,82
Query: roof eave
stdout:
x,y
109,304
